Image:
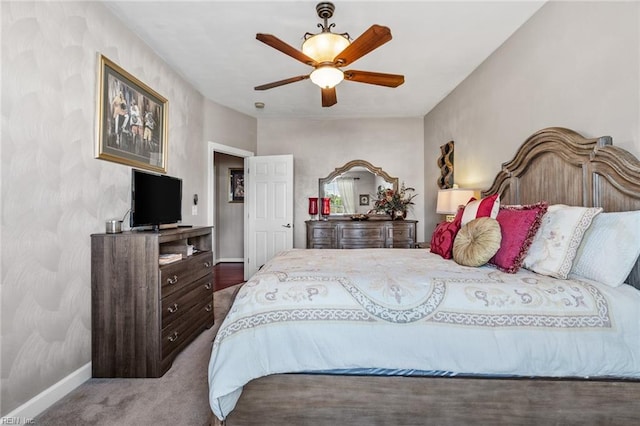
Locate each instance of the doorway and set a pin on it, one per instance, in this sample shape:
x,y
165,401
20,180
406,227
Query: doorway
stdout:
x,y
224,212
229,209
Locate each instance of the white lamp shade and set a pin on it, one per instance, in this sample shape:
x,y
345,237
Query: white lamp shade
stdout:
x,y
326,77
325,46
450,199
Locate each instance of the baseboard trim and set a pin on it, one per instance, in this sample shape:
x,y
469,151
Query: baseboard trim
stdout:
x,y
48,397
230,260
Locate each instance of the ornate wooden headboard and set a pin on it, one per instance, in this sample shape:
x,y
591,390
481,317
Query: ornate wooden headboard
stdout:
x,y
560,166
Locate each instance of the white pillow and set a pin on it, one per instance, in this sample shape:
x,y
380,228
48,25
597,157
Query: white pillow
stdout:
x,y
610,248
555,245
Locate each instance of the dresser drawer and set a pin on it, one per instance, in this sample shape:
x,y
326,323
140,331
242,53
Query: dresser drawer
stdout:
x,y
401,233
323,233
364,232
181,302
180,333
320,234
360,235
360,244
176,276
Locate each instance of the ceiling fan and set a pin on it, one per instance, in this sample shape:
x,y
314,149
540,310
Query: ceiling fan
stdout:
x,y
327,52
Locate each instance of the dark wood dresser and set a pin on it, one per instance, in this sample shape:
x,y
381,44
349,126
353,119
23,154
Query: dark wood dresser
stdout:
x,y
352,234
143,313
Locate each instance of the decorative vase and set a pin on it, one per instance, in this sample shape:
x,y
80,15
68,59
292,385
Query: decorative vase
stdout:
x,y
313,207
326,208
398,215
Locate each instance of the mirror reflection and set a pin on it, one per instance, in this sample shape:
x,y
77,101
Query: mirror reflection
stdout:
x,y
352,188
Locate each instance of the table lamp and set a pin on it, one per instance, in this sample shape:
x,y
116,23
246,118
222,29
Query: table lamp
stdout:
x,y
450,199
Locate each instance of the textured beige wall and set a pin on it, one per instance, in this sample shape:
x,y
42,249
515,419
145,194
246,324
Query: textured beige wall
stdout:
x,y
319,146
55,194
573,64
228,127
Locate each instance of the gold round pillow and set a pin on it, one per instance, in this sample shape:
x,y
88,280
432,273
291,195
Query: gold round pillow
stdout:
x,y
477,242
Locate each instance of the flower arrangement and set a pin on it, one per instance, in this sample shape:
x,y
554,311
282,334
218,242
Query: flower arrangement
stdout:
x,y
391,201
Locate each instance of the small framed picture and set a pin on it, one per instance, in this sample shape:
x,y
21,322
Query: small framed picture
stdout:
x,y
132,120
364,199
236,185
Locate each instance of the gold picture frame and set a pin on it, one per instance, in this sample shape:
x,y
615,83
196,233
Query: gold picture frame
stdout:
x,y
236,185
132,120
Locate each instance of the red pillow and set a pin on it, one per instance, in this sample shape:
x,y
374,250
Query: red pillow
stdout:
x,y
444,235
486,207
519,225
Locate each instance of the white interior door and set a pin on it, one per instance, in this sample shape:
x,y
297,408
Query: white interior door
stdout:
x,y
268,209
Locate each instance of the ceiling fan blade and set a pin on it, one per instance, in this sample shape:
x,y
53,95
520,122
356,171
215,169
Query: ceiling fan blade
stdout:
x,y
374,37
378,78
280,45
329,97
281,82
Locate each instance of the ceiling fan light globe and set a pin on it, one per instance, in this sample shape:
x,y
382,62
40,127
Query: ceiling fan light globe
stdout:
x,y
327,76
324,47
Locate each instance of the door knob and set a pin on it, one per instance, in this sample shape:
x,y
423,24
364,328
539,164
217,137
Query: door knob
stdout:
x,y
288,225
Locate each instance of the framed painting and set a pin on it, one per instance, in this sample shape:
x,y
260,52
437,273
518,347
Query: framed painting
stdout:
x,y
364,199
236,185
132,120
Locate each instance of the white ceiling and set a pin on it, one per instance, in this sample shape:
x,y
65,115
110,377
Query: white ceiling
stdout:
x,y
436,45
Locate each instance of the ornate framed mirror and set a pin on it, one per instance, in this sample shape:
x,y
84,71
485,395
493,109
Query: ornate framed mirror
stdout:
x,y
352,188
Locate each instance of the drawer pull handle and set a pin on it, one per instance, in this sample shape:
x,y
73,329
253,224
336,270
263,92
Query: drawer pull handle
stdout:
x,y
173,309
209,308
172,280
207,286
207,264
173,337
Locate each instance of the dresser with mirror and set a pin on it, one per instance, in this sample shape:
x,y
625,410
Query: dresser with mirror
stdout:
x,y
352,189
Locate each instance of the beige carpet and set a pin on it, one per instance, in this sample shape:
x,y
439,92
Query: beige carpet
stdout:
x,y
180,397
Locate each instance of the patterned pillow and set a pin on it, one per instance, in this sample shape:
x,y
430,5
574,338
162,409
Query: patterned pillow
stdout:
x,y
609,249
486,207
519,225
477,242
555,245
444,235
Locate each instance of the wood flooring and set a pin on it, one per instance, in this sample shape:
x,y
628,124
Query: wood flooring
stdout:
x,y
228,274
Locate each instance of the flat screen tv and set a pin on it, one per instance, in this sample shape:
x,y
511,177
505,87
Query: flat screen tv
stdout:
x,y
155,199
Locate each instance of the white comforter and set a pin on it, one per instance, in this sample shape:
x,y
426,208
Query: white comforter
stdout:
x,y
309,310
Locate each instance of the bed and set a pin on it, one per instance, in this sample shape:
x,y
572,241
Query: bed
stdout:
x,y
397,336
